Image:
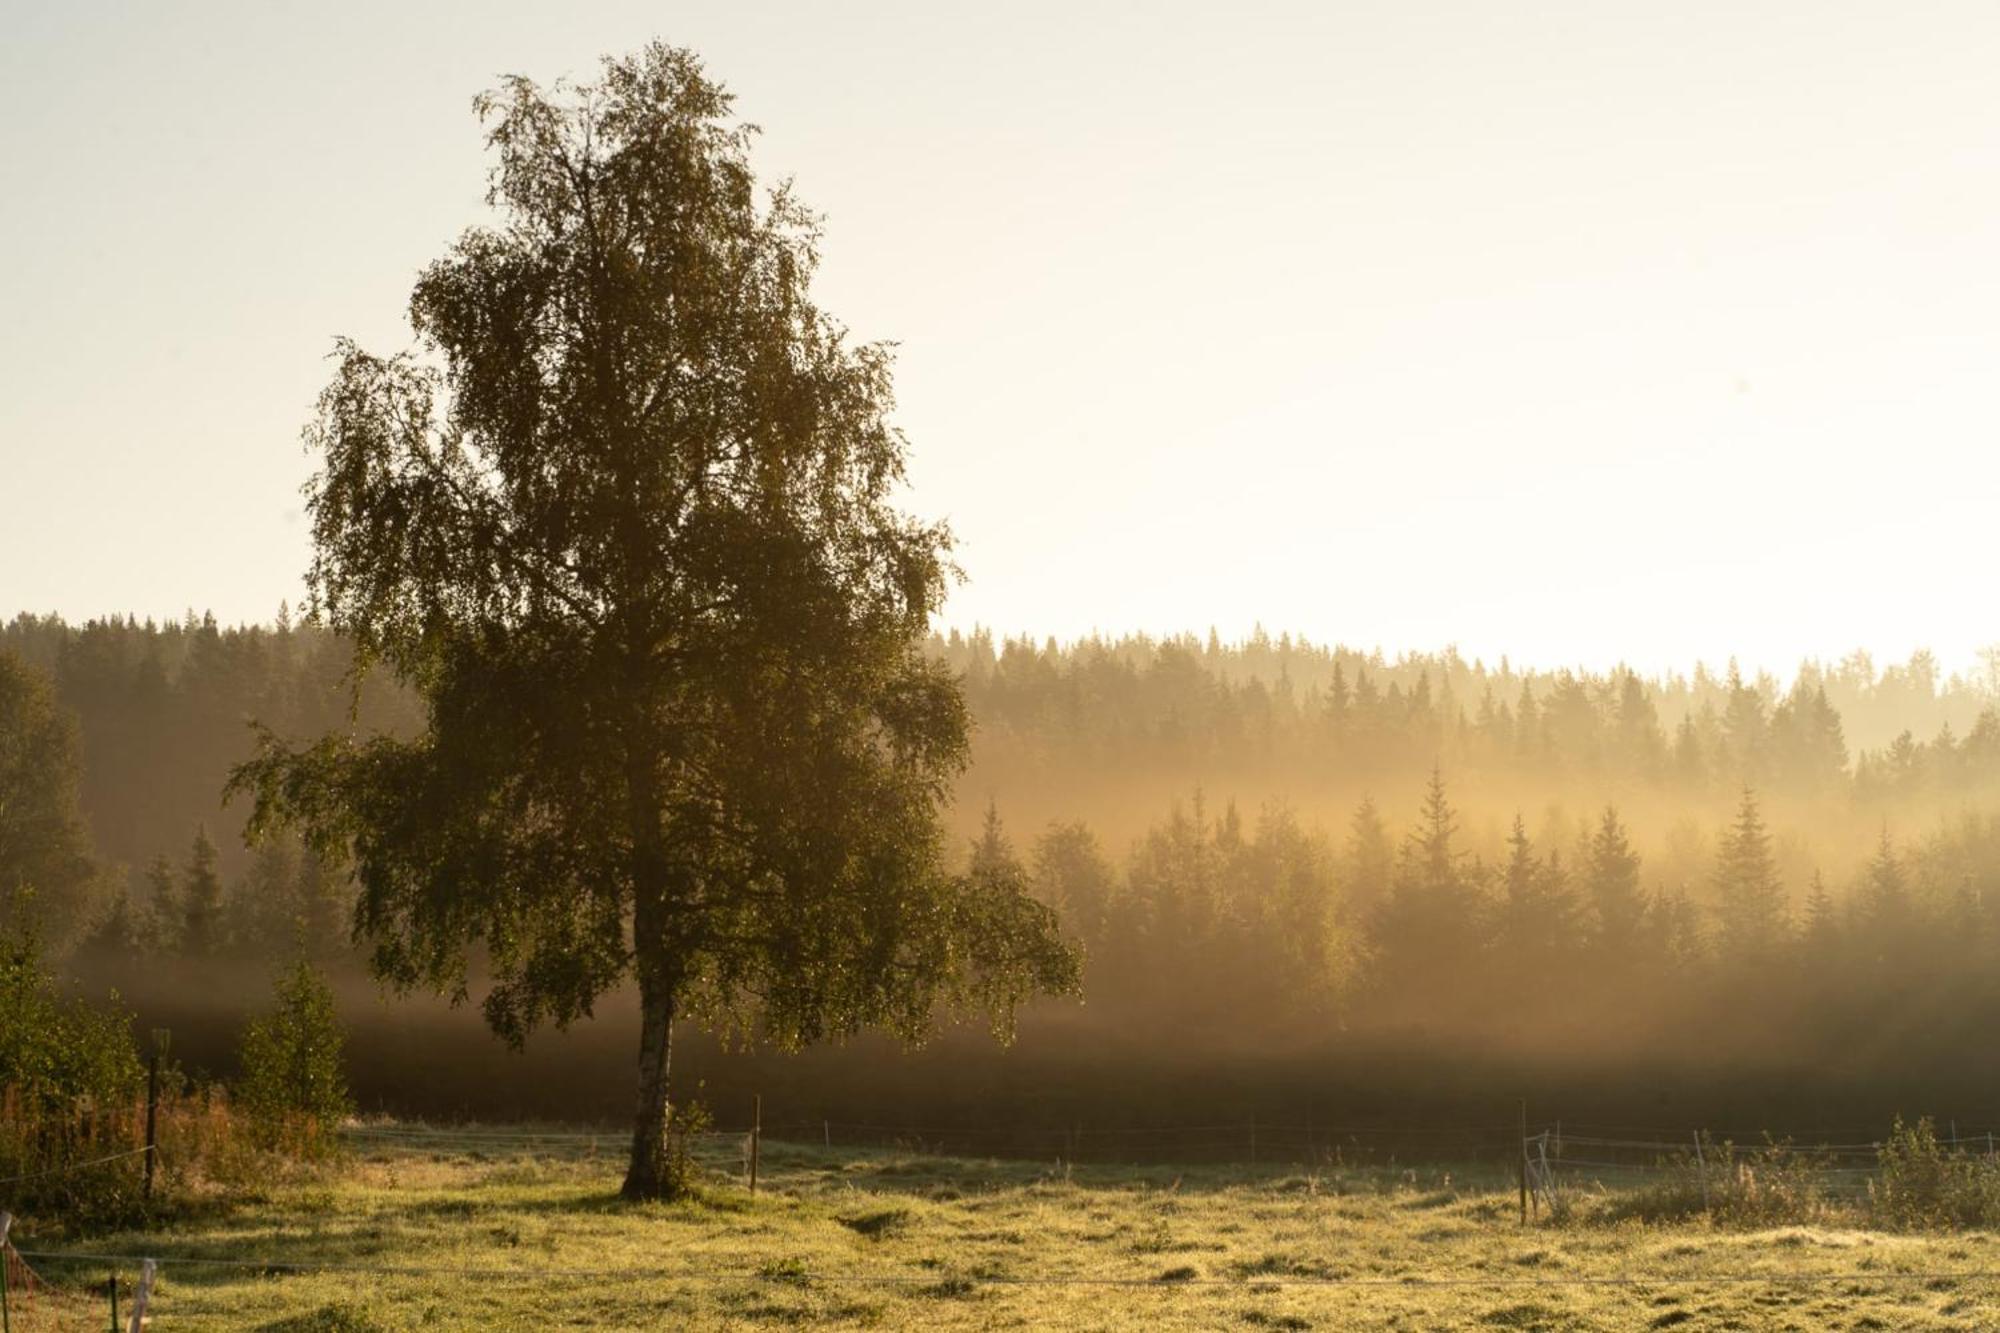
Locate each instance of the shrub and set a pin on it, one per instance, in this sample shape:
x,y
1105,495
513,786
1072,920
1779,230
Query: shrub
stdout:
x,y
55,1056
73,1114
72,1097
294,1084
686,1122
1919,1183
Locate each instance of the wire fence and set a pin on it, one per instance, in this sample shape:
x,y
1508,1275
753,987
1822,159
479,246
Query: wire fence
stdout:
x,y
1213,1142
1913,1175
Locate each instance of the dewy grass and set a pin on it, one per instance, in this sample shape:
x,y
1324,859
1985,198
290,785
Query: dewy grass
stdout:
x,y
473,1235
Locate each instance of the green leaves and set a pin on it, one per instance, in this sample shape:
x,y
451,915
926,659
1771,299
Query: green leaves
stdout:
x,y
45,868
294,1083
624,518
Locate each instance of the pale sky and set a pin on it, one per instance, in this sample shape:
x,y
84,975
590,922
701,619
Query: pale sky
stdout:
x,y
1580,332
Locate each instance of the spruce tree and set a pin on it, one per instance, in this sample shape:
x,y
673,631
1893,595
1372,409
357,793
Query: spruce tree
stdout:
x,y
1821,938
1535,909
201,932
1611,877
1750,902
1072,876
1889,931
1745,728
1427,933
1339,701
1370,861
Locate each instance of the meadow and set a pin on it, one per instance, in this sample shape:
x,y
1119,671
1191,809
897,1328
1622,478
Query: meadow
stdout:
x,y
498,1228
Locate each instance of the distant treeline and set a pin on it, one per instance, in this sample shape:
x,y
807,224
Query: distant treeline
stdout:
x,y
164,710
1269,839
1216,930
1293,707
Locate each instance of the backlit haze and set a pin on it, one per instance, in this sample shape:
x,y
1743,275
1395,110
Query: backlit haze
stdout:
x,y
1581,333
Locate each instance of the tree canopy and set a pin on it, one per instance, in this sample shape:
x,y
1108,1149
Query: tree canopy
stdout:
x,y
45,866
625,519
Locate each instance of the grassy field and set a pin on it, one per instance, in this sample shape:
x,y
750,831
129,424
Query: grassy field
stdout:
x,y
494,1233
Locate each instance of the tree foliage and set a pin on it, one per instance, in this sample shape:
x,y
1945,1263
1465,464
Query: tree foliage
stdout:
x,y
45,866
625,522
294,1077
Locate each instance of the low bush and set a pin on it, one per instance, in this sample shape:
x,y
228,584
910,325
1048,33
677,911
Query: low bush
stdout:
x,y
73,1116
72,1097
1923,1184
294,1084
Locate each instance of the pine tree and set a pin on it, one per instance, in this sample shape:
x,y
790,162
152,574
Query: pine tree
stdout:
x,y
1611,877
1887,925
201,917
1427,932
120,933
1745,728
1370,864
163,906
1434,860
1675,926
1690,761
1640,743
1072,876
264,910
1750,902
1536,910
1339,700
1527,725
1822,926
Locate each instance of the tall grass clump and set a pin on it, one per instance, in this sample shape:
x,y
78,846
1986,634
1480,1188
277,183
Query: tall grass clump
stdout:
x,y
1772,1184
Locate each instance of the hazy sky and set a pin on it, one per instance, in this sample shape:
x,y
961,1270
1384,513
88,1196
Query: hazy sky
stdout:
x,y
1576,331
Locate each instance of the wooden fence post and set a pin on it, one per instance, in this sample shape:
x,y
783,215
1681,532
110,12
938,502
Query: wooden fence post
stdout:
x,y
152,1117
1701,1165
756,1135
140,1296
6,1315
1521,1164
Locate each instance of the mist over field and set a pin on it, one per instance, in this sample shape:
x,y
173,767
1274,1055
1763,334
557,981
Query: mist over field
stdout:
x,y
1241,837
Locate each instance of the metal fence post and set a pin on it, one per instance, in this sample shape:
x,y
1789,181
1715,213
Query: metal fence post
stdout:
x,y
6,1315
141,1296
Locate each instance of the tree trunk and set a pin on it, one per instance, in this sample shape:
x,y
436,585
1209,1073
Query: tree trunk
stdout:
x,y
650,1175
